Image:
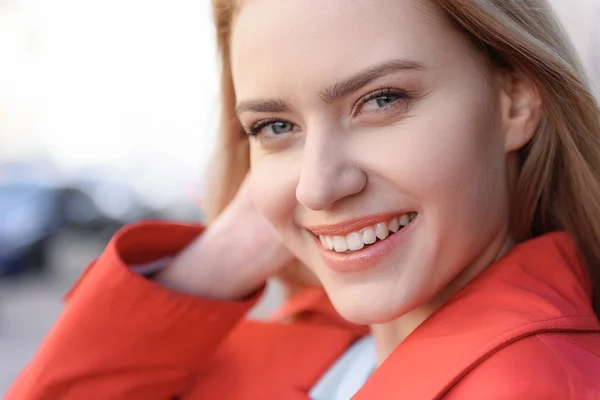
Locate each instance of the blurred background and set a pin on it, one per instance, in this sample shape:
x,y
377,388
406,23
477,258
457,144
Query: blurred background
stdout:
x,y
108,115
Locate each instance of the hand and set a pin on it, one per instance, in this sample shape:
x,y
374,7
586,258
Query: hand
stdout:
x,y
233,257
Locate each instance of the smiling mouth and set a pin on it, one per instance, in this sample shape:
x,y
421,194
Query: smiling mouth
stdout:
x,y
366,236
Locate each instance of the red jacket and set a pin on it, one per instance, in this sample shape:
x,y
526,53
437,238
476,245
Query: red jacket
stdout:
x,y
523,329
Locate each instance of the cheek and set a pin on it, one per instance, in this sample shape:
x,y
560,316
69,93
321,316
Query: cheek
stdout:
x,y
274,184
467,162
452,166
463,183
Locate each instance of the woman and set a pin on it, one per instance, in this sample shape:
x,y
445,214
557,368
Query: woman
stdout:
x,y
434,164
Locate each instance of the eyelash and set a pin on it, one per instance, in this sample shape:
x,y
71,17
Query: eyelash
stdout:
x,y
383,92
254,129
258,126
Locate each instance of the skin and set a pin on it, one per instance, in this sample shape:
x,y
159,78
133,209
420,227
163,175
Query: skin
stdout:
x,y
446,152
226,262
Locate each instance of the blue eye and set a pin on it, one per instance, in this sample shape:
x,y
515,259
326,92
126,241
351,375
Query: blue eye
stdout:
x,y
280,127
384,101
379,102
271,128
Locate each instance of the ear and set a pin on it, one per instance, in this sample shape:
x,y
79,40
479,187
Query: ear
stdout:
x,y
521,108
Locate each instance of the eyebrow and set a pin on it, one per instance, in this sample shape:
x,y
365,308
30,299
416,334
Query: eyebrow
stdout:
x,y
342,89
262,106
338,90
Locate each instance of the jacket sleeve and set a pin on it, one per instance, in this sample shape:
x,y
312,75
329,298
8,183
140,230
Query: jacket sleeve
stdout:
x,y
122,336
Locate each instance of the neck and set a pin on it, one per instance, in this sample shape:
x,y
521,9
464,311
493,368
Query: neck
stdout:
x,y
390,334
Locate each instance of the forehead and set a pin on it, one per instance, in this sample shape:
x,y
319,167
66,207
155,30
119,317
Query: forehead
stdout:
x,y
296,45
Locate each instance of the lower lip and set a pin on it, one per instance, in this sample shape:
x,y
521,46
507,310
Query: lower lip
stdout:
x,y
367,258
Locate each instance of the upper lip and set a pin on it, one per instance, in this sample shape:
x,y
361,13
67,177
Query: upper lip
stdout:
x,y
353,225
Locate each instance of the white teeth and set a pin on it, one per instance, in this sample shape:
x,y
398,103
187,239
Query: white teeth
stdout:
x,y
366,236
339,244
322,240
394,225
355,241
328,243
382,230
369,235
404,220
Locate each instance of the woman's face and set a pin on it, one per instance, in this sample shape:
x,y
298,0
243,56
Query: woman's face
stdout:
x,y
378,133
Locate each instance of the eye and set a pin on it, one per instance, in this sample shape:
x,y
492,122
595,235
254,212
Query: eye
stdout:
x,y
383,101
279,127
271,128
380,100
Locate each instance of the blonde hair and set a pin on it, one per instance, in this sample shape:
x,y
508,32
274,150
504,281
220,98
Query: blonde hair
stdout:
x,y
559,182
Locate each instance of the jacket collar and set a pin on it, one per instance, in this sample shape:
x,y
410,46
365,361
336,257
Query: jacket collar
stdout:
x,y
539,286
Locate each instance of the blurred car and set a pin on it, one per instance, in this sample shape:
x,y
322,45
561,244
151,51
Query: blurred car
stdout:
x,y
101,205
81,213
38,202
30,215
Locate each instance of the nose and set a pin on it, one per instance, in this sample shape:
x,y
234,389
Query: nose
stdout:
x,y
328,172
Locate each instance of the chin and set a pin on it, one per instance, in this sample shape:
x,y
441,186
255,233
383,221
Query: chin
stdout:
x,y
366,307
